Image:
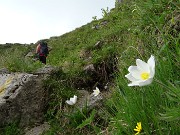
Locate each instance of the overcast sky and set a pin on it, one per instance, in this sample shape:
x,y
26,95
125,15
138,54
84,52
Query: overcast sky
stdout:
x,y
27,21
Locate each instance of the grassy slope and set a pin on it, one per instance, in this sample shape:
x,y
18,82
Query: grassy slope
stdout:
x,y
135,29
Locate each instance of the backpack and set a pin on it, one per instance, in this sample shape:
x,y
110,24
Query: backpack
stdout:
x,y
43,51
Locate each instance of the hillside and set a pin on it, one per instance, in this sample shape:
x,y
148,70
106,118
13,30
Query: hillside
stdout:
x,y
99,54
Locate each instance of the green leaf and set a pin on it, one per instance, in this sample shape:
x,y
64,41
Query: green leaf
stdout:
x,y
87,121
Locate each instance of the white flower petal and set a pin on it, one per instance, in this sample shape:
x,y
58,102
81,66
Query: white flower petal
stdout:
x,y
152,72
132,68
130,77
146,82
135,72
69,102
142,66
151,63
72,101
136,83
96,92
97,88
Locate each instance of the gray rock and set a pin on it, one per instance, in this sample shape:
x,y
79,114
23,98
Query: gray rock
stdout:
x,y
47,69
38,130
89,68
104,23
30,54
86,99
96,27
4,71
22,98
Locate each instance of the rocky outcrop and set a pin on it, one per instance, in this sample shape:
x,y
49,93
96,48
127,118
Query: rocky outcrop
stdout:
x,y
4,71
23,97
87,99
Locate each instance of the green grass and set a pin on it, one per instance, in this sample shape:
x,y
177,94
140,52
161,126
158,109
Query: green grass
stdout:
x,y
11,129
13,58
135,29
146,104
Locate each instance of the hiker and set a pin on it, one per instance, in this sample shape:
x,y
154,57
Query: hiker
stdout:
x,y
42,51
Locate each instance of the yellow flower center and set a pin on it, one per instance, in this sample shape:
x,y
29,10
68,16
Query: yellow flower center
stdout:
x,y
145,75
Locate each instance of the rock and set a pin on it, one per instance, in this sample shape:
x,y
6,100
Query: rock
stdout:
x,y
30,54
66,66
100,25
104,23
47,69
4,71
22,98
49,48
96,27
82,98
86,99
84,54
95,101
38,130
89,68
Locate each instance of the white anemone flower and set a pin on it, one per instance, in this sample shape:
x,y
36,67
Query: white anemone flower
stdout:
x,y
96,92
143,73
72,101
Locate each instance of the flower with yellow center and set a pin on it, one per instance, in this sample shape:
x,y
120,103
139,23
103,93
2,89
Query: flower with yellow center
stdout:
x,y
143,73
96,92
138,128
